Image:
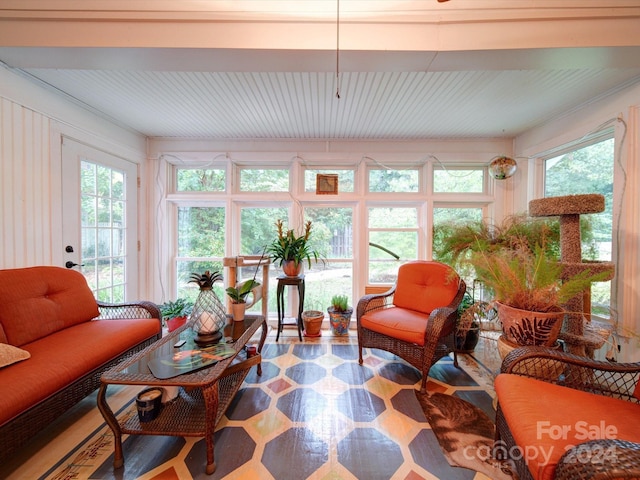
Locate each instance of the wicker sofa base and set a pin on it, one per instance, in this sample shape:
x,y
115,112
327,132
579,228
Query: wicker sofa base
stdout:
x,y
16,432
20,430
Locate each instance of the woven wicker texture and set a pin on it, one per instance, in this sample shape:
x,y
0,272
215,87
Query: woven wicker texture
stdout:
x,y
203,398
17,432
602,460
439,333
617,380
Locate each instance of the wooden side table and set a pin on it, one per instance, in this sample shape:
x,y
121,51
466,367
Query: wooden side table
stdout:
x,y
297,282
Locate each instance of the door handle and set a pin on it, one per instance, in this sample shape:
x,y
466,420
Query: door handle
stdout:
x,y
71,264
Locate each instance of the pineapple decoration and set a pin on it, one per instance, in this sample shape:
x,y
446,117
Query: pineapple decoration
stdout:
x,y
208,316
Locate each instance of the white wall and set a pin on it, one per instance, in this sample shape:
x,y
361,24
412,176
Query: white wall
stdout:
x,y
33,121
620,111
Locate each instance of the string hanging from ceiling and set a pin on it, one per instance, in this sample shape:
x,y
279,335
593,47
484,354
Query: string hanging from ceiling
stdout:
x,y
338,49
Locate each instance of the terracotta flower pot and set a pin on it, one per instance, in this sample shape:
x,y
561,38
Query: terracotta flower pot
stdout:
x,y
290,269
175,323
312,320
238,310
523,327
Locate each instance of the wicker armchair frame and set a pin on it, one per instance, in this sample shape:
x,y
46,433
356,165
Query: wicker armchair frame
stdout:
x,y
439,337
617,380
20,430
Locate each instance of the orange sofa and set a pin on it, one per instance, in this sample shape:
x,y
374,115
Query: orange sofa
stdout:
x,y
562,416
55,342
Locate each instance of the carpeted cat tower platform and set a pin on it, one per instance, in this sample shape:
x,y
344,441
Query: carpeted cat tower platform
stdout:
x,y
580,333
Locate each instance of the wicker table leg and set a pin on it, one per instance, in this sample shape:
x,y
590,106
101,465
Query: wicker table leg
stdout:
x,y
211,401
263,338
110,418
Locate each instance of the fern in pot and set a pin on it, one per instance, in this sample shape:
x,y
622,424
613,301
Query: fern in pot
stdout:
x,y
529,291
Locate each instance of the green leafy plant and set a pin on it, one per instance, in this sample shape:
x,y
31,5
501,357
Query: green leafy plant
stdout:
x,y
290,246
174,309
239,294
455,242
529,280
340,303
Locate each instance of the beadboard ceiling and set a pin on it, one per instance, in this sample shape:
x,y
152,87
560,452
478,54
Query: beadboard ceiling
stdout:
x,y
292,93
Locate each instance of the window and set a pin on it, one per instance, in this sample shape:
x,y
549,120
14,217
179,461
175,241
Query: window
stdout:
x,y
332,235
103,201
392,205
200,241
393,240
200,180
443,217
394,181
458,180
588,169
264,180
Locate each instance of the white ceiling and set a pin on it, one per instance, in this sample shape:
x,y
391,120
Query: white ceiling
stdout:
x,y
265,91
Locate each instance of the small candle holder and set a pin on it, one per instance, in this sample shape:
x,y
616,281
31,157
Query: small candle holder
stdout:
x,y
149,402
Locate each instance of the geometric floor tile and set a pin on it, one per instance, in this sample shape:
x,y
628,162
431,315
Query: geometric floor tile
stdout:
x,y
314,413
305,453
382,459
360,405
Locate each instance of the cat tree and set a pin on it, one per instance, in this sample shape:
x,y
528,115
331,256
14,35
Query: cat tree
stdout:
x,y
580,333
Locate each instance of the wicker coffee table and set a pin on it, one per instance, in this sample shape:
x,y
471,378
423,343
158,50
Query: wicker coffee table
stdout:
x,y
204,394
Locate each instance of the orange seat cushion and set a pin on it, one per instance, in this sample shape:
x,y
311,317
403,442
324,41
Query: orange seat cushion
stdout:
x,y
64,356
401,323
424,286
546,419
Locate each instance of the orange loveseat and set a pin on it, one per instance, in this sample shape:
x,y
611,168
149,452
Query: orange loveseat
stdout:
x,y
563,416
55,342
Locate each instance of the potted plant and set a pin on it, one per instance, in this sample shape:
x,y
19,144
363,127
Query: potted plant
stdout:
x,y
238,296
529,290
290,249
467,326
175,313
312,320
340,314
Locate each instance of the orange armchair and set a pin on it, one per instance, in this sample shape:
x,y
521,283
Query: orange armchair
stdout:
x,y
416,318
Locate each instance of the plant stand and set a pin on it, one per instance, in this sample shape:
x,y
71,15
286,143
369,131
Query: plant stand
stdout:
x,y
297,282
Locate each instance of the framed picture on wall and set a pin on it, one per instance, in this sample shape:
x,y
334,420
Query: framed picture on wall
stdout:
x,y
327,184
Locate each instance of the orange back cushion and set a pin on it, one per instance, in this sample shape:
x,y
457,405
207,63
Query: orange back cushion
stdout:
x,y
424,286
37,301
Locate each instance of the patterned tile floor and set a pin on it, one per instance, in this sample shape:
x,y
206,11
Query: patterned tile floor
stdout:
x,y
314,413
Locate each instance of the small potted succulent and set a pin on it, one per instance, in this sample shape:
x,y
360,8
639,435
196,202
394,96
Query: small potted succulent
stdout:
x,y
340,314
175,313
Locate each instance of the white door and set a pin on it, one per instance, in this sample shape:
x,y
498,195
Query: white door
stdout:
x,y
99,220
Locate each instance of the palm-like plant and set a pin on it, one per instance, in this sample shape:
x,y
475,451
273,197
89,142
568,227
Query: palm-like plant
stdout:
x,y
529,280
290,246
